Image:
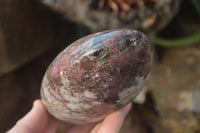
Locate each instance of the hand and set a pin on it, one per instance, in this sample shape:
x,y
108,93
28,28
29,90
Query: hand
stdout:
x,y
38,120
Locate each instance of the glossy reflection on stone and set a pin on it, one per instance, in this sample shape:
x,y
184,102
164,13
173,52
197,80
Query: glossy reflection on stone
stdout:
x,y
97,75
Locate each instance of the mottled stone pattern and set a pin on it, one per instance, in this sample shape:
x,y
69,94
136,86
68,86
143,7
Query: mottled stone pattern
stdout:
x,y
97,75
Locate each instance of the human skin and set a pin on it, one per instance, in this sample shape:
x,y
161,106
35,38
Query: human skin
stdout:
x,y
38,120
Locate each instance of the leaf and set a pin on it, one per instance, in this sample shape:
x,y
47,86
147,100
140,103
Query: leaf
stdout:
x,y
180,42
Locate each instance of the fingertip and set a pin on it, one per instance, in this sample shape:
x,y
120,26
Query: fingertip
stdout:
x,y
52,123
113,122
126,109
38,104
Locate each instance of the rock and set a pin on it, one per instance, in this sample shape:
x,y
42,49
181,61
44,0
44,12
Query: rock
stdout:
x,y
143,118
96,75
149,18
175,84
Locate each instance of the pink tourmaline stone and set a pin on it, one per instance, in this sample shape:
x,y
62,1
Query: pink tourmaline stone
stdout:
x,y
97,75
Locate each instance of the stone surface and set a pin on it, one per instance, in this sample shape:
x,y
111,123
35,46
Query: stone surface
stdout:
x,y
27,29
97,75
144,118
148,18
177,89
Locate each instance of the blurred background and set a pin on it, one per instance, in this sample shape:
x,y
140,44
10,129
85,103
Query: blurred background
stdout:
x,y
33,32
